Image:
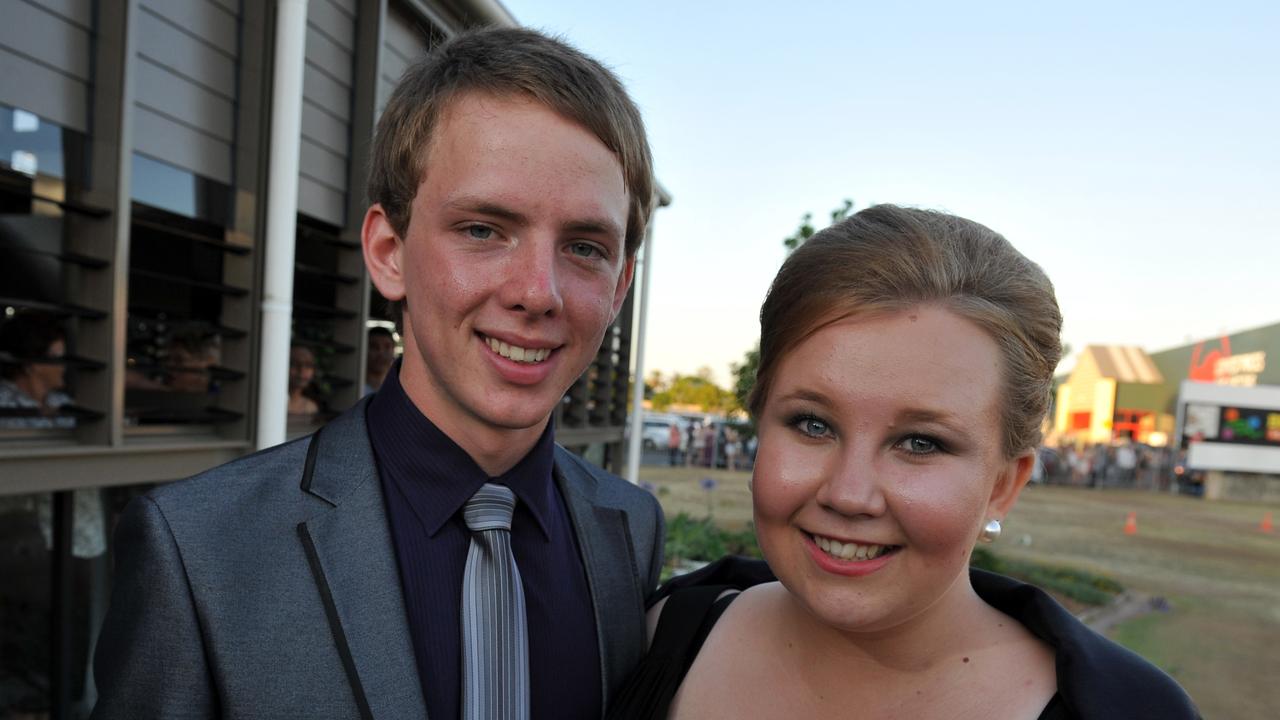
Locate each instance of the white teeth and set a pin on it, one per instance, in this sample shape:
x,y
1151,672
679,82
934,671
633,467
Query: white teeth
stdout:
x,y
519,354
849,551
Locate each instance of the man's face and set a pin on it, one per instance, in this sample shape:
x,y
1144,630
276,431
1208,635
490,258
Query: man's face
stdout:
x,y
512,267
188,371
382,352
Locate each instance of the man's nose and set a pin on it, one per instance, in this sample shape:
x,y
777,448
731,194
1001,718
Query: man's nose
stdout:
x,y
533,282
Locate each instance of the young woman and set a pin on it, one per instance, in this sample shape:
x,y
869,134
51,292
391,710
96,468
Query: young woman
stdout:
x,y
906,358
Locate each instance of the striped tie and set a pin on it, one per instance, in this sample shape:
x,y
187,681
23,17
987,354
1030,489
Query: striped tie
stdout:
x,y
495,642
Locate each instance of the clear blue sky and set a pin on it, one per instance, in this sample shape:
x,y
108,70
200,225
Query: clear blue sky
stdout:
x,y
1134,152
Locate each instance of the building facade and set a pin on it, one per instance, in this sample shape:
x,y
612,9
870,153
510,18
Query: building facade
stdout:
x,y
140,236
1116,394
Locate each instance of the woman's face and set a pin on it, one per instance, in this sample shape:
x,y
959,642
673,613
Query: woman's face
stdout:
x,y
302,367
879,461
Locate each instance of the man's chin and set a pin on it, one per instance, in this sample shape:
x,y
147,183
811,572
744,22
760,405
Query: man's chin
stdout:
x,y
516,415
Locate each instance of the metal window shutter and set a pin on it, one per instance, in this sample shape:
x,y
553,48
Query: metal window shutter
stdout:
x,y
185,106
45,57
325,151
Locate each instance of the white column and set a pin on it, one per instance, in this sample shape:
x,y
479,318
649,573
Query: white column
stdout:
x,y
282,211
637,391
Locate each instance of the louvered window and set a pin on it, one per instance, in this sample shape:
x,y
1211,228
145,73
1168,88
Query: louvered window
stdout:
x,y
326,318
44,271
189,307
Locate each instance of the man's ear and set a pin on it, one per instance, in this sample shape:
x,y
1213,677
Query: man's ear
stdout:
x,y
1009,485
624,283
383,253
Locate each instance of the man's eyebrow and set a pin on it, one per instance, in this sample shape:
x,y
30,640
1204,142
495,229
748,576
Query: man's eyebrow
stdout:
x,y
593,226
486,207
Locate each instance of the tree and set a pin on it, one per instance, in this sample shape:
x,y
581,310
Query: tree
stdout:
x,y
697,390
744,375
806,229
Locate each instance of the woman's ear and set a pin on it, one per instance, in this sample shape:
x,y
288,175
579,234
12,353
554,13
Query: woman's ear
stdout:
x,y
382,249
1009,485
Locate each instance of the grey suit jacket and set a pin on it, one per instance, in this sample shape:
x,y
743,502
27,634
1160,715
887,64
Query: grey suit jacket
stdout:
x,y
268,587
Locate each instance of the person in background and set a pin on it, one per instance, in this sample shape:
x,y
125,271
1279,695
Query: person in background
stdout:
x,y
302,372
699,444
673,443
709,446
32,373
906,360
382,353
183,365
731,448
190,359
33,397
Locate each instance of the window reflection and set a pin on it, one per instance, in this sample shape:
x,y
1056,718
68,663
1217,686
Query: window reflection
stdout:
x,y
178,300
170,188
33,349
29,144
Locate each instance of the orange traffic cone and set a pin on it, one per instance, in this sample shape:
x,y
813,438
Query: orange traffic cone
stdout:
x,y
1265,526
1131,524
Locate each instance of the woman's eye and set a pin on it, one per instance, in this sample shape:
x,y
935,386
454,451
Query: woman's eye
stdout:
x,y
811,426
479,232
917,445
584,249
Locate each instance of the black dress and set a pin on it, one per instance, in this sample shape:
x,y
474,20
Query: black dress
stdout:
x,y
1096,677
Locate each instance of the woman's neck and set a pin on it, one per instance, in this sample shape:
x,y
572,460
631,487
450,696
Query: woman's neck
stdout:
x,y
955,624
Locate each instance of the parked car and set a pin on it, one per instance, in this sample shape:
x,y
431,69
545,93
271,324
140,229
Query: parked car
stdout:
x,y
656,429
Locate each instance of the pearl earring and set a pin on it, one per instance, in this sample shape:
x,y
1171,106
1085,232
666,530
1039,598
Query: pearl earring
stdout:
x,y
990,531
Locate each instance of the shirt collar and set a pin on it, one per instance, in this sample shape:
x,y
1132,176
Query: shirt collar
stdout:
x,y
436,476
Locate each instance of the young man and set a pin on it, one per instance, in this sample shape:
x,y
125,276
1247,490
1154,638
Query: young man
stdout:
x,y
344,575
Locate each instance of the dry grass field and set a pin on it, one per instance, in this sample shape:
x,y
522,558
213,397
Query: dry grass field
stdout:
x,y
1219,574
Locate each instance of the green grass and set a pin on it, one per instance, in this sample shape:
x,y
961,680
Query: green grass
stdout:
x,y
1079,585
1220,637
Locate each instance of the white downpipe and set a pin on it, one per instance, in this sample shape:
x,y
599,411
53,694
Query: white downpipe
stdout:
x,y
637,391
282,213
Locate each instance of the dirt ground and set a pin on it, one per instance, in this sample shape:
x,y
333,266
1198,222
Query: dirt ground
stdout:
x,y
1211,574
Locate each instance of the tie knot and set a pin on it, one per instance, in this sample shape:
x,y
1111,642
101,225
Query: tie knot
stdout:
x,y
490,508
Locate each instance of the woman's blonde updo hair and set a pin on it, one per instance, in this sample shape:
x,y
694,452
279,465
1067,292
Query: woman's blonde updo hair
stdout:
x,y
889,258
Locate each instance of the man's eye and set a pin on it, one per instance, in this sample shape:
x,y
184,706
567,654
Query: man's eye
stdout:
x,y
918,445
480,232
585,250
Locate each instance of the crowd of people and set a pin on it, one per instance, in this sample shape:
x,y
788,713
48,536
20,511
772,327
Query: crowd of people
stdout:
x,y
1124,463
710,444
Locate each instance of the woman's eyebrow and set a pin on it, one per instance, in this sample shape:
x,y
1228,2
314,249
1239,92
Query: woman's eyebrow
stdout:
x,y
806,395
927,415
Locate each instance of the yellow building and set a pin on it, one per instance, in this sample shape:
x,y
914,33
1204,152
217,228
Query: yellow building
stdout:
x,y
1107,396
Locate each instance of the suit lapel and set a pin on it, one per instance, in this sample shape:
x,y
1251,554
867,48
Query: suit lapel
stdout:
x,y
352,558
604,540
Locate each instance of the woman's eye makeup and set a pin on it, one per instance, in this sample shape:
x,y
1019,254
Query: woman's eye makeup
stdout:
x,y
920,445
810,425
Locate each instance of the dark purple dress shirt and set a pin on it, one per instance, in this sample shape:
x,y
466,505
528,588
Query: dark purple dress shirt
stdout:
x,y
426,479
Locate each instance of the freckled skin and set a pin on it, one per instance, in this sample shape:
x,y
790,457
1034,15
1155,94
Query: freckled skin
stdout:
x,y
858,483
